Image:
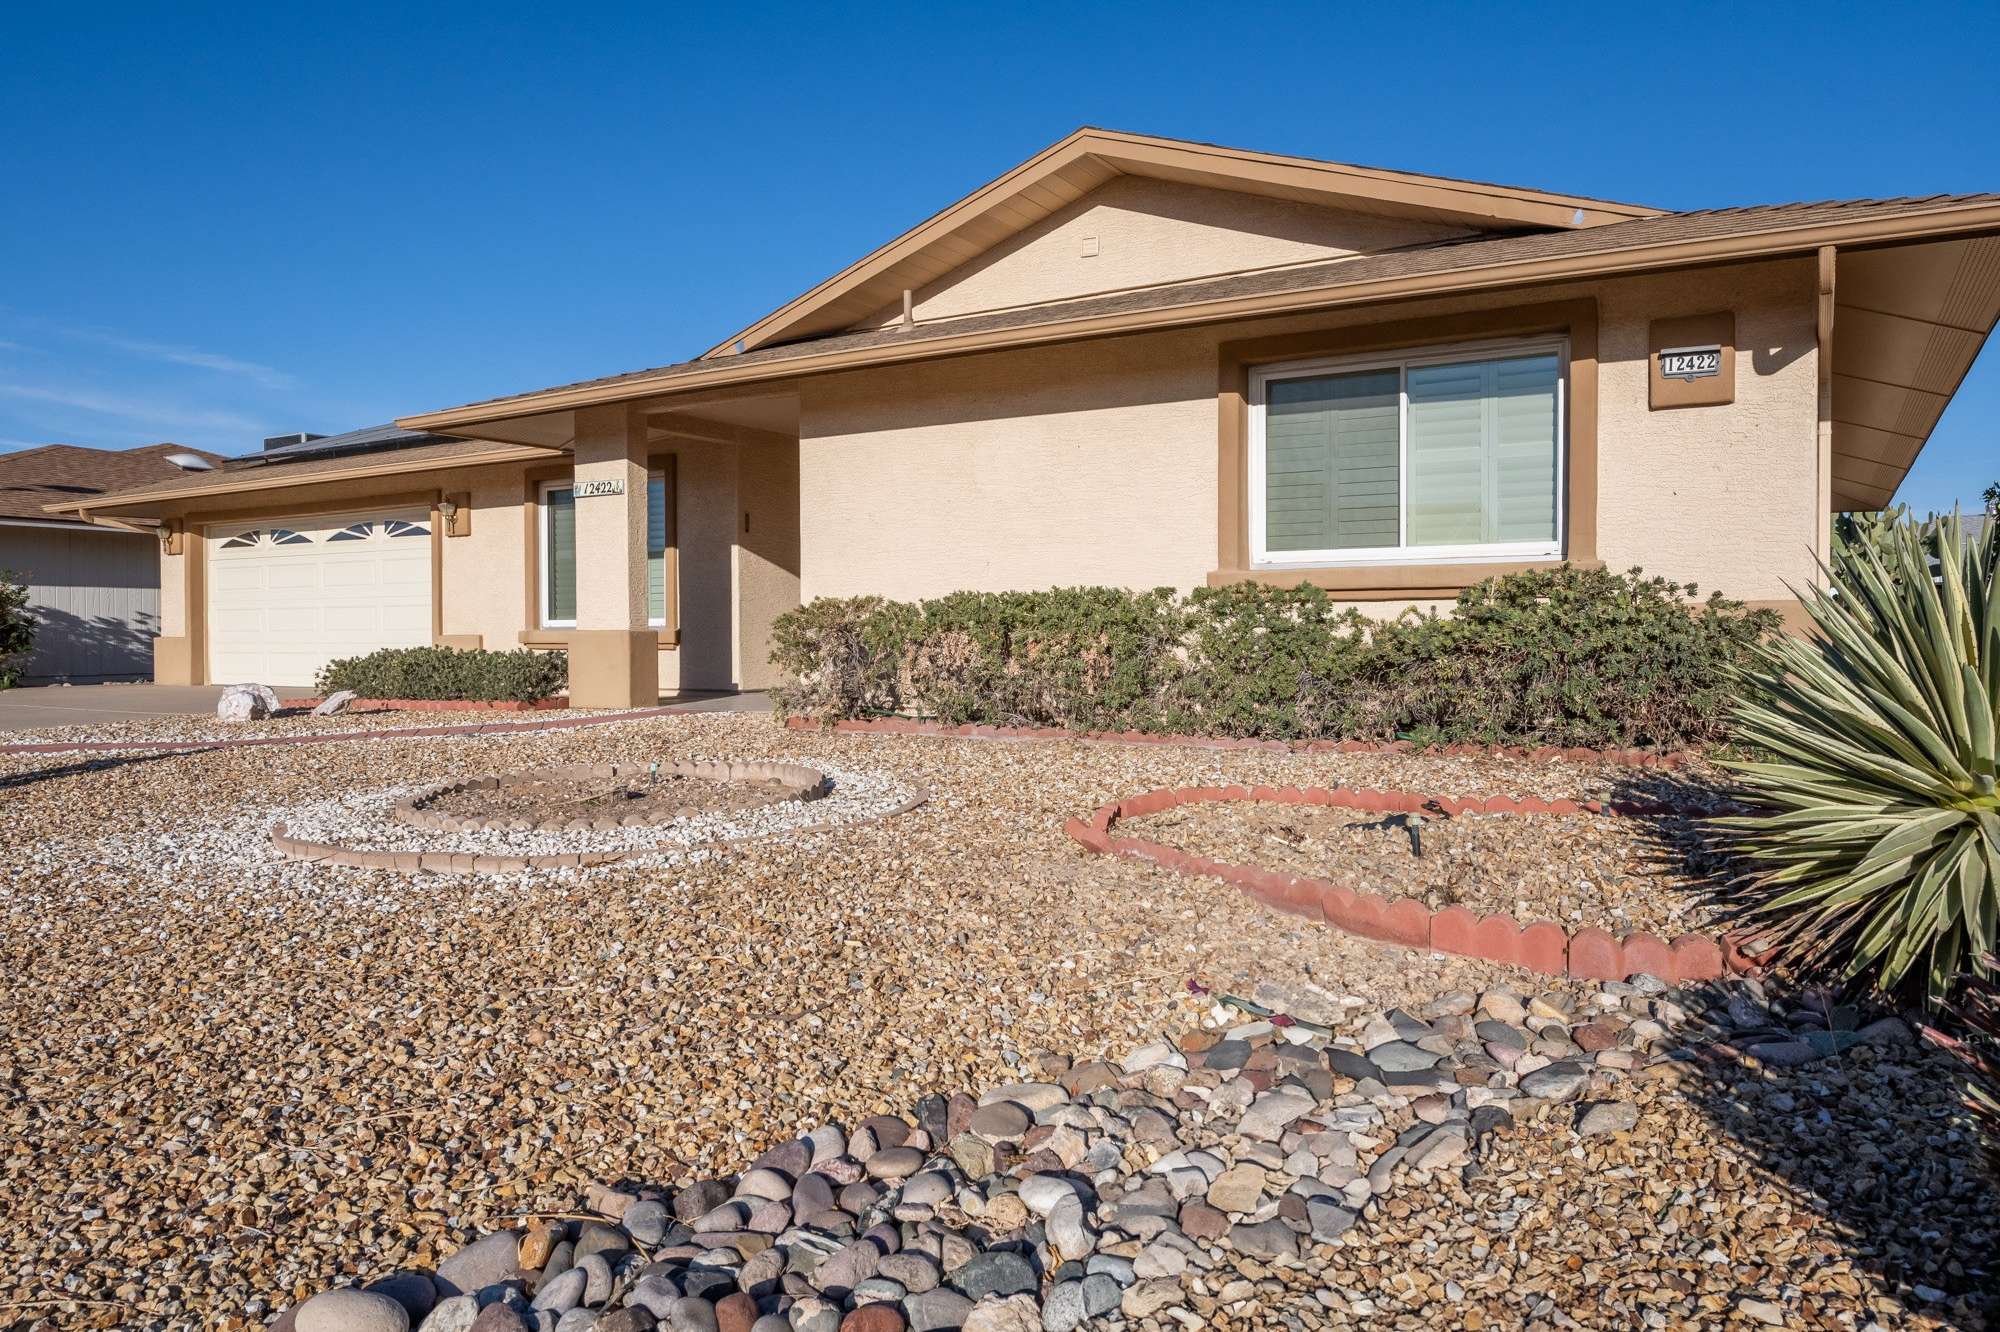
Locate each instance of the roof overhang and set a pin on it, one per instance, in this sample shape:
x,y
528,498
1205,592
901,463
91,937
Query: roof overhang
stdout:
x,y
545,412
147,502
1066,171
1908,321
95,526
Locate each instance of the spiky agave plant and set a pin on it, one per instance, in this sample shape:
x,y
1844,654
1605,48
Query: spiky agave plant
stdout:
x,y
1875,850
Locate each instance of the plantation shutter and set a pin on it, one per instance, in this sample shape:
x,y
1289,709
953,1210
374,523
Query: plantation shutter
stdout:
x,y
559,506
656,548
1483,451
1331,461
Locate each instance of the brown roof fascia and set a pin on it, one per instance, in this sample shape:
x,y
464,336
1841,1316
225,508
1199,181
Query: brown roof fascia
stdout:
x,y
1915,225
284,477
1471,201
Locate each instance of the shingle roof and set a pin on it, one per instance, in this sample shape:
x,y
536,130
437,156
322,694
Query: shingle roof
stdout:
x,y
247,471
1441,258
57,472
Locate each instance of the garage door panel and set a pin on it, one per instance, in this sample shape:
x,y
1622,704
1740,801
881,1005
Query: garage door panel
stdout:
x,y
279,610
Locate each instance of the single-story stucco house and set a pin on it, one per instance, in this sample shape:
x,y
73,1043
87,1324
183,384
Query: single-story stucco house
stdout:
x,y
93,587
1141,362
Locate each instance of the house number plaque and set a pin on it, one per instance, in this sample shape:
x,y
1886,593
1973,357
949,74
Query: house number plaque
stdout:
x,y
1688,364
585,489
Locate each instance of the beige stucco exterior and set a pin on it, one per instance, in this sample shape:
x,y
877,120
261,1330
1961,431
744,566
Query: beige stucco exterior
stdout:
x,y
1089,462
1136,231
1096,462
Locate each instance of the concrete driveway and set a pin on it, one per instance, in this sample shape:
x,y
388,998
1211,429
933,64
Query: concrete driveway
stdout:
x,y
37,706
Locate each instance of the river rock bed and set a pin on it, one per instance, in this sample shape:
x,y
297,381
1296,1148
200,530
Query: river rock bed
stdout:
x,y
1222,1179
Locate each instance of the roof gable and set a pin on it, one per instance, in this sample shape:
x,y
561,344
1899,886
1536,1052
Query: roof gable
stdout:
x,y
1134,232
1065,172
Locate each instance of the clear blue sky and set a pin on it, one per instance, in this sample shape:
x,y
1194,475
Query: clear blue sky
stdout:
x,y
220,224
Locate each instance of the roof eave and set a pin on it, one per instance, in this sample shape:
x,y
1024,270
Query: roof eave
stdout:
x,y
278,477
1947,220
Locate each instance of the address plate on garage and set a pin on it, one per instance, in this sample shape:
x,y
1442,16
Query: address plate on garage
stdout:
x,y
585,489
1688,364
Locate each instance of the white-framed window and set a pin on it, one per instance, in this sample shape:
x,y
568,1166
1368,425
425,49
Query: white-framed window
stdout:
x,y
1433,455
557,544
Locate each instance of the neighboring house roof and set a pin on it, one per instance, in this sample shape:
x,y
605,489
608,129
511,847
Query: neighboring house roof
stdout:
x,y
1085,160
32,479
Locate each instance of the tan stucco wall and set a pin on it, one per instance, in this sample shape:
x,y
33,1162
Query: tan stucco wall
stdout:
x,y
1149,231
1096,462
1092,463
767,554
1725,497
173,594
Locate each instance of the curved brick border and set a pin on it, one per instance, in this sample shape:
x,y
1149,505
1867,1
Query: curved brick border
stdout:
x,y
799,783
442,862
1541,946
333,737
1631,758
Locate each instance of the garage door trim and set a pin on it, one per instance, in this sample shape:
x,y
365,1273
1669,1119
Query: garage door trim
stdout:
x,y
215,528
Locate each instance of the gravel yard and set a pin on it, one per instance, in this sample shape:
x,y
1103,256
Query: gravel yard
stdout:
x,y
1619,874
229,1081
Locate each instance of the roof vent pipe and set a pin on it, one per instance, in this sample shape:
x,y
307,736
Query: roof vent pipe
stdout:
x,y
909,310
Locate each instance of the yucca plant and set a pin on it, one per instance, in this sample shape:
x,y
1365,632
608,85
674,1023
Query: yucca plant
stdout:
x,y
1875,848
1976,1043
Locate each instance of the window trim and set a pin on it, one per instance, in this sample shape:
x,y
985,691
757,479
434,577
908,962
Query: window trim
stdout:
x,y
666,541
545,512
1487,349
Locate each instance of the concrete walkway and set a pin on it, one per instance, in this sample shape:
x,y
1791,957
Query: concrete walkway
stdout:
x,y
39,706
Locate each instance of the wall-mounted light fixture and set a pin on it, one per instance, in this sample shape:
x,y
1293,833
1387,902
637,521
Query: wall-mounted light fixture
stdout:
x,y
455,515
170,537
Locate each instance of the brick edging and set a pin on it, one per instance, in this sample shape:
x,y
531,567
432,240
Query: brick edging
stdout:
x,y
555,703
442,862
1633,758
332,737
1540,946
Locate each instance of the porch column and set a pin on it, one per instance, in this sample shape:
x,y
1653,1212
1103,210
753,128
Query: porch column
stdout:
x,y
614,654
178,648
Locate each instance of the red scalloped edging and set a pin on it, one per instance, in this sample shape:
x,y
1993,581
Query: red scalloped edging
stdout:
x,y
1540,946
440,704
1633,758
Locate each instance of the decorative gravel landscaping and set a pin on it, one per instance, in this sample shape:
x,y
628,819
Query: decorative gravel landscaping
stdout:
x,y
231,1081
1618,874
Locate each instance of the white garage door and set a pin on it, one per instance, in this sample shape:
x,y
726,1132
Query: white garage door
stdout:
x,y
286,596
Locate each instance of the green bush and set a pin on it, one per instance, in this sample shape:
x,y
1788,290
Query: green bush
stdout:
x,y
1566,656
1571,657
1876,850
434,673
17,628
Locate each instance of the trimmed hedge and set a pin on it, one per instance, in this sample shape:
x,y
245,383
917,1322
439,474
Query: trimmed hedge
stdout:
x,y
434,673
1563,656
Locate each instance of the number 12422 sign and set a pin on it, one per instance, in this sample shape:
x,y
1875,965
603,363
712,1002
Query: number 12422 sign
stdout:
x,y
585,489
1690,363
